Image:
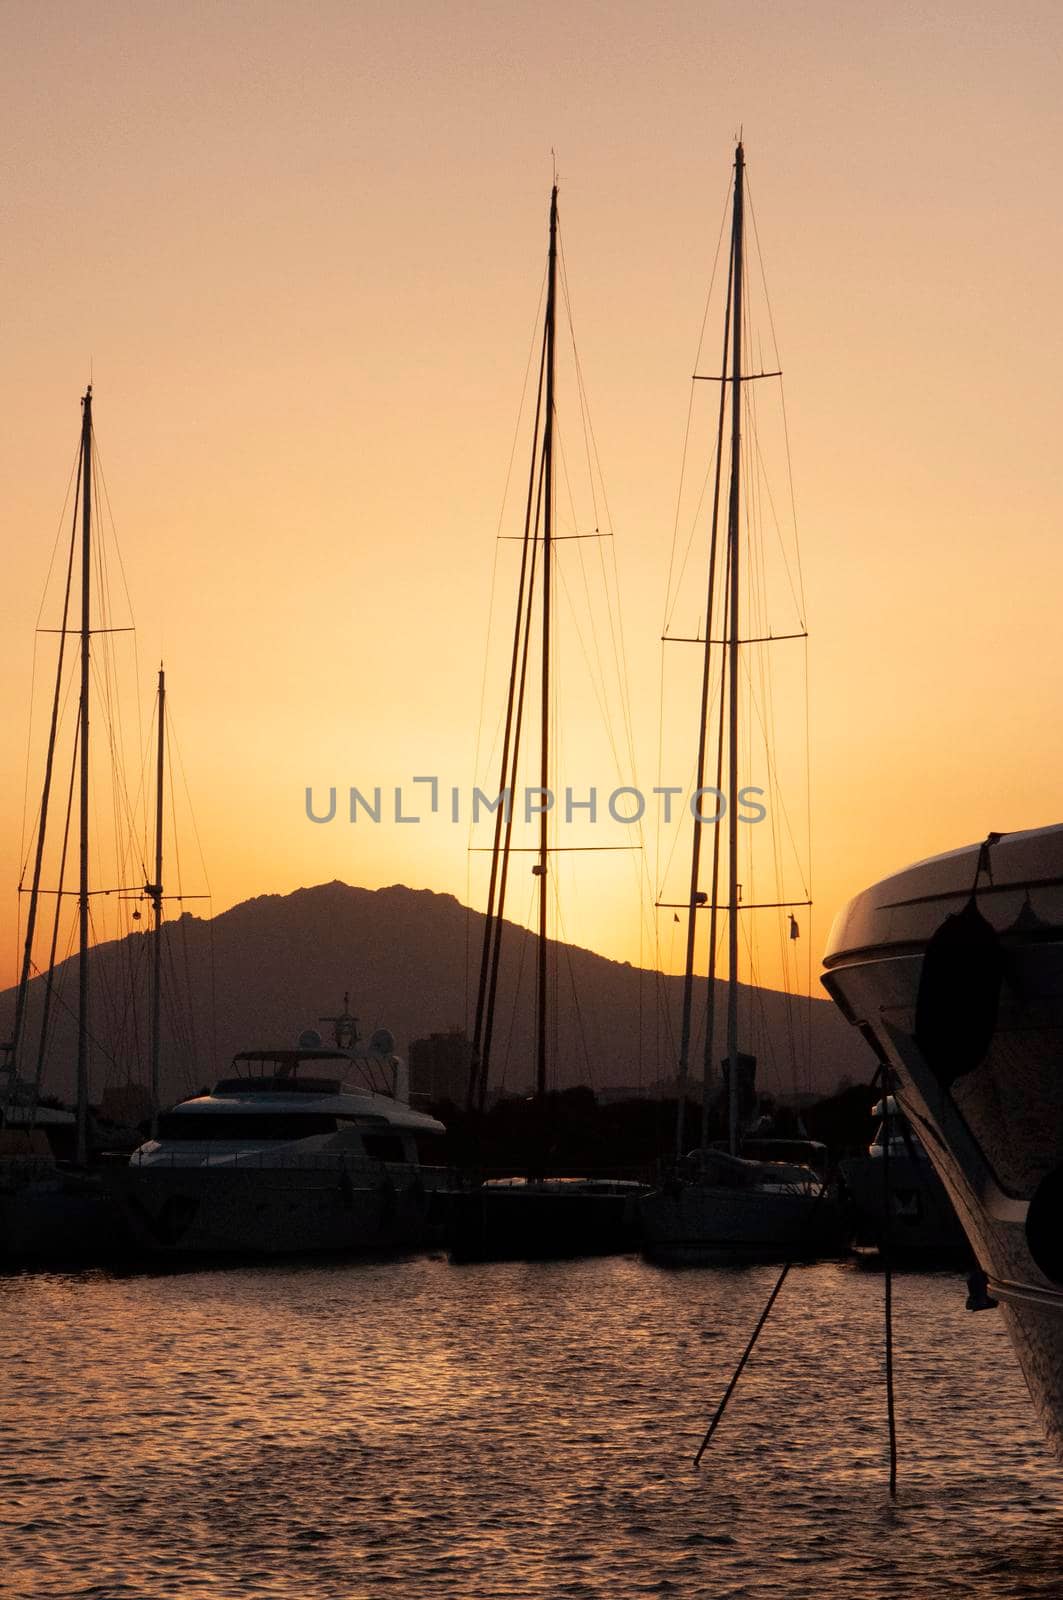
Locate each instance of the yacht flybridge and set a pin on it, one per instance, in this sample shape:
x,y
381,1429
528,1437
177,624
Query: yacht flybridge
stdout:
x,y
304,1149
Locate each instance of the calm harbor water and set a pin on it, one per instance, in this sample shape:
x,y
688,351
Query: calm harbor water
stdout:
x,y
417,1429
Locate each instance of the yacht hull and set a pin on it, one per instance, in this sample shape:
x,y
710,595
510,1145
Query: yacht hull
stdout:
x,y
261,1212
58,1219
915,1216
976,1047
280,1160
543,1221
689,1224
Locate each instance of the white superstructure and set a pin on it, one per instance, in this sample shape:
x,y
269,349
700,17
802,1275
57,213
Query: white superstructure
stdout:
x,y
297,1150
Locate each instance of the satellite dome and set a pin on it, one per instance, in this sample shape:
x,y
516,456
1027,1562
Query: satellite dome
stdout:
x,y
309,1039
383,1042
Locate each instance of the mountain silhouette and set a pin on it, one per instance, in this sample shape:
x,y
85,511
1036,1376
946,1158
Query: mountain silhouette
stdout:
x,y
261,972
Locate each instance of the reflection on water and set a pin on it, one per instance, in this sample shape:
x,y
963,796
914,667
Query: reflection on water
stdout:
x,y
418,1429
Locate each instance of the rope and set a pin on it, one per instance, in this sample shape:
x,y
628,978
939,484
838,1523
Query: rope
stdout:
x,y
887,1273
754,1336
881,1073
746,1353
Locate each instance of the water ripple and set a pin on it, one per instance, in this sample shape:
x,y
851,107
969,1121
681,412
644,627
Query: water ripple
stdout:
x,y
511,1430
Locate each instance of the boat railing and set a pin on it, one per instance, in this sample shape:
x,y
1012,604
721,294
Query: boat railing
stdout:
x,y
627,1177
258,1161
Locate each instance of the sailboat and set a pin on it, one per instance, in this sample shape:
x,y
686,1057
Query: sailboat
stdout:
x,y
53,1202
43,1207
532,1213
724,1203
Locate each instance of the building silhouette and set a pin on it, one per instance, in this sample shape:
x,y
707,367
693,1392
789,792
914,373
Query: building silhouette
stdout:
x,y
440,1066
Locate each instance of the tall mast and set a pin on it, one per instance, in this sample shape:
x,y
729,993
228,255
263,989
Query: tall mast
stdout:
x,y
155,891
544,768
42,825
83,885
714,902
496,892
732,654
486,1034
695,848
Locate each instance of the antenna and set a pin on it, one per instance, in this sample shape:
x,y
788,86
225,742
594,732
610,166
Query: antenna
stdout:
x,y
344,1026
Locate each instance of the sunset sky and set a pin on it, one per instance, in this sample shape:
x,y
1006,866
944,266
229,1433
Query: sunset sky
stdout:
x,y
299,249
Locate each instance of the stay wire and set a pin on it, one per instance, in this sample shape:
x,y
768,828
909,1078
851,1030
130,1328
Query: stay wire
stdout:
x,y
881,1074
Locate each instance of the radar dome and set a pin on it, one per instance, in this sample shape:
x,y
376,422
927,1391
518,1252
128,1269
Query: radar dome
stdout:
x,y
383,1042
309,1039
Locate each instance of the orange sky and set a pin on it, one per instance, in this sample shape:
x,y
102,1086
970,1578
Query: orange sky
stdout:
x,y
301,250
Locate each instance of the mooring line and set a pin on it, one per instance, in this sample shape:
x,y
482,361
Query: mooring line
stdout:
x,y
881,1075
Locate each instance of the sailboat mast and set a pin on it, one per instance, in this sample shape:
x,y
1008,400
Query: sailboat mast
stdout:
x,y
714,914
703,718
496,891
42,825
732,651
544,768
155,889
83,885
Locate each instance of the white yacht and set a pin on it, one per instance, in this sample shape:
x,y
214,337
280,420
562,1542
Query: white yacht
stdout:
x,y
953,971
304,1149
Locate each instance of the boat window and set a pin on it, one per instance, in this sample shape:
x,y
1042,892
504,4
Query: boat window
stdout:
x,y
384,1146
278,1085
259,1126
